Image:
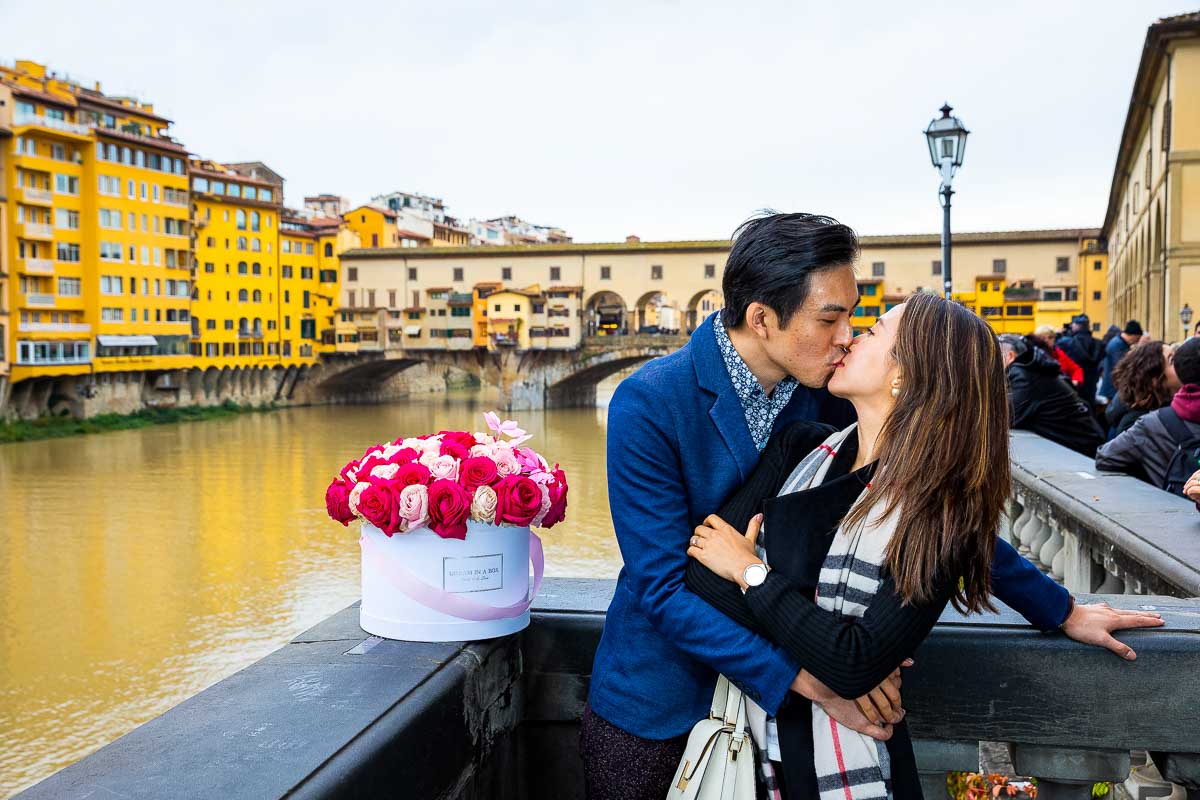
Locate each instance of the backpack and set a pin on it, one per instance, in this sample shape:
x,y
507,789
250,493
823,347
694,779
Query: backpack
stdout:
x,y
1186,458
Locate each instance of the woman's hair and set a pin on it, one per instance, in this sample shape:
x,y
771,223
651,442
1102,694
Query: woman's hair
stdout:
x,y
1045,330
1141,376
943,454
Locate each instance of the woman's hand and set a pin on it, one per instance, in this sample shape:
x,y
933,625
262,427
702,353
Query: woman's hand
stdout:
x,y
1192,487
719,546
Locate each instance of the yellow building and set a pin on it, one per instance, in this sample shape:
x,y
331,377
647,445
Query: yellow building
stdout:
x,y
375,227
508,318
237,300
5,133
97,232
479,312
308,281
1152,222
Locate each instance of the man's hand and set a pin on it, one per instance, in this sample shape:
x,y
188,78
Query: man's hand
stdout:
x,y
1094,624
863,715
1192,487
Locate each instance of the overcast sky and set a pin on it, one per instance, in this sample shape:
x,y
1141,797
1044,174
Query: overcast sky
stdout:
x,y
667,120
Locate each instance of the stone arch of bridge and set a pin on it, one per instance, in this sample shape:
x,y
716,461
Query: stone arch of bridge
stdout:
x,y
647,307
363,377
703,303
603,309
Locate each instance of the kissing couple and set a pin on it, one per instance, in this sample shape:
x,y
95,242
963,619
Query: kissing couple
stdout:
x,y
795,507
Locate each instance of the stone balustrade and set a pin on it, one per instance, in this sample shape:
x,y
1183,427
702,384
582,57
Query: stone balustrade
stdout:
x,y
1099,532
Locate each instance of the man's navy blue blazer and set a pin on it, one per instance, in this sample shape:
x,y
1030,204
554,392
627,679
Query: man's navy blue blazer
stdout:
x,y
678,446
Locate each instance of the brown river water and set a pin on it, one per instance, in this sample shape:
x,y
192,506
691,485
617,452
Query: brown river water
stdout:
x,y
138,567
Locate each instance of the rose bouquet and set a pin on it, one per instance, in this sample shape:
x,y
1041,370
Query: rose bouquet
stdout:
x,y
442,480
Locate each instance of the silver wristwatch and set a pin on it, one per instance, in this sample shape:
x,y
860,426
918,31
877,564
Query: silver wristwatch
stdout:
x,y
754,575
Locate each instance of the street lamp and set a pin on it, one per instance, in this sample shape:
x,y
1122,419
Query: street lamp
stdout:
x,y
947,141
1185,316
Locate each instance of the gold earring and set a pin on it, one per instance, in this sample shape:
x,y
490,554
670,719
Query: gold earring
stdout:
x,y
896,387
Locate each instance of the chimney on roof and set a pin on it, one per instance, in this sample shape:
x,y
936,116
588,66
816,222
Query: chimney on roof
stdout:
x,y
631,239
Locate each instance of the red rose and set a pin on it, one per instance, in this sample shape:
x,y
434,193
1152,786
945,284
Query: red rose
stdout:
x,y
345,474
403,456
558,499
377,504
455,449
461,438
410,474
337,502
519,500
477,471
449,505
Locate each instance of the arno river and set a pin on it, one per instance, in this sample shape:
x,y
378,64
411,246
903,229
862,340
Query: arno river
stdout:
x,y
138,567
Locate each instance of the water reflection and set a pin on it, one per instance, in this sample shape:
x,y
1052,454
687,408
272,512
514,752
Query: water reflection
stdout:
x,y
138,567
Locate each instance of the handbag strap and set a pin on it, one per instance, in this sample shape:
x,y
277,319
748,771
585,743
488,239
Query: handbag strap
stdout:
x,y
720,698
728,705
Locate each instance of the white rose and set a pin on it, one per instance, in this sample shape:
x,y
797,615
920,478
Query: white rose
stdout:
x,y
545,508
433,445
483,505
443,467
484,438
390,451
481,451
356,493
385,471
412,443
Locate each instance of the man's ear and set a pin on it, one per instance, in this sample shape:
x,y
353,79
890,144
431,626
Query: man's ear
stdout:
x,y
760,319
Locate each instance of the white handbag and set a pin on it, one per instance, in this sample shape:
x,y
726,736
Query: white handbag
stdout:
x,y
718,763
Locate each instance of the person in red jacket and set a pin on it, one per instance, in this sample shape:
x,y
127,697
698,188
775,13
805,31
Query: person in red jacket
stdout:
x,y
1046,337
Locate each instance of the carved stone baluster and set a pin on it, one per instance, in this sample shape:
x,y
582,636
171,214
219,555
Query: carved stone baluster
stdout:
x,y
1037,538
1020,537
1049,553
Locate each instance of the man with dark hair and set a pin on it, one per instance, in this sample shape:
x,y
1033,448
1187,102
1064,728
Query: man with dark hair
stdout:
x,y
1041,400
684,432
1114,351
1086,351
1148,449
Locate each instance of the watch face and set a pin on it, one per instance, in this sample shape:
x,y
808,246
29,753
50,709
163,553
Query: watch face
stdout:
x,y
755,574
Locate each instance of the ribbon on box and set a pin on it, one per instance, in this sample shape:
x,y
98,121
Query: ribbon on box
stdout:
x,y
452,604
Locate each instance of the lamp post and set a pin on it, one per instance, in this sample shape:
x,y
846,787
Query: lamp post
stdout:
x,y
947,140
1185,316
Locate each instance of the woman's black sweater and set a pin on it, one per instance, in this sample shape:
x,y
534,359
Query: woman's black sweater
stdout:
x,y
850,655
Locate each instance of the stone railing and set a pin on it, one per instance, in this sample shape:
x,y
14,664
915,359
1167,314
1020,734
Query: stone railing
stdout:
x,y
1099,532
338,713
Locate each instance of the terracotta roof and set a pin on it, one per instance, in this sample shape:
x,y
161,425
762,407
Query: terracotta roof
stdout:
x,y
714,245
387,212
407,234
991,276
229,177
87,96
149,141
46,97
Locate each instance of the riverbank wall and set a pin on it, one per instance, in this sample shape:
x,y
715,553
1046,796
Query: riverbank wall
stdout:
x,y
92,395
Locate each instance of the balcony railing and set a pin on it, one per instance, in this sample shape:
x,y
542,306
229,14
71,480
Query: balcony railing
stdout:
x,y
54,327
37,230
25,118
37,266
40,196
37,299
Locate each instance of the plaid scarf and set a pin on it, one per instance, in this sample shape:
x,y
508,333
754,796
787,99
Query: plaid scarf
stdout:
x,y
849,765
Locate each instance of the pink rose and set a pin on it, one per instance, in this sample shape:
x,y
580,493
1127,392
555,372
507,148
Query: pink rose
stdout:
x,y
558,499
461,438
413,505
506,461
476,472
443,467
337,502
349,473
378,507
449,505
404,455
454,449
519,498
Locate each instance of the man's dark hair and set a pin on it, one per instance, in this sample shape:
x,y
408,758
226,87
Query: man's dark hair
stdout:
x,y
774,257
1187,361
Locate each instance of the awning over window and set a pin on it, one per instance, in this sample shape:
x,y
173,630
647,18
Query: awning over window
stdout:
x,y
127,341
412,330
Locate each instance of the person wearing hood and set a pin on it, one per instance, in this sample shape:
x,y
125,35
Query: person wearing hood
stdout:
x,y
1087,351
1114,351
1147,448
1041,400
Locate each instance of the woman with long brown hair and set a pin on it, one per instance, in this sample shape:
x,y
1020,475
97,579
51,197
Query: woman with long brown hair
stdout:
x,y
865,535
1145,379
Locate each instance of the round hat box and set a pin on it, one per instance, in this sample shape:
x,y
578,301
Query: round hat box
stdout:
x,y
419,587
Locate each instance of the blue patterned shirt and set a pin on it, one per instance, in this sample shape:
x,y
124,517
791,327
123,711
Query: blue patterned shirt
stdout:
x,y
760,410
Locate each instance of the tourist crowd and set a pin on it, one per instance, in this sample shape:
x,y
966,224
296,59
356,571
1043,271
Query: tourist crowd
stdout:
x,y
1129,401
